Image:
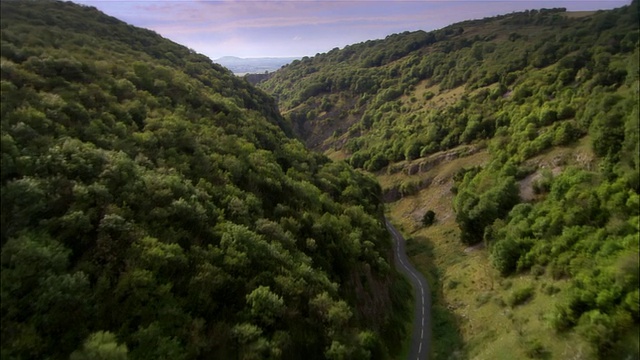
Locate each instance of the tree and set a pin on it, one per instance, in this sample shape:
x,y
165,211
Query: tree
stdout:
x,y
376,163
429,218
39,293
153,343
505,254
250,341
265,305
101,345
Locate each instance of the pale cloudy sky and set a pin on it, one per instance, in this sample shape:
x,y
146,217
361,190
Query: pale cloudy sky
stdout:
x,y
299,28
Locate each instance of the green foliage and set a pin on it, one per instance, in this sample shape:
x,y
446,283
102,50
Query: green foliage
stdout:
x,y
506,253
154,206
521,85
520,296
428,218
376,163
475,212
265,305
551,74
101,346
578,229
535,350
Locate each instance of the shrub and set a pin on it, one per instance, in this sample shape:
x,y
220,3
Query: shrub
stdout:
x,y
408,188
520,296
505,254
551,290
376,163
452,284
537,270
558,271
429,218
598,329
535,350
561,318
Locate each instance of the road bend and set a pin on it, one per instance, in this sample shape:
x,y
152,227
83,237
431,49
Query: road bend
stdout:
x,y
421,335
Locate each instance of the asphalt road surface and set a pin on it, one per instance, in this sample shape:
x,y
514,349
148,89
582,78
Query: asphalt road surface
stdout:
x,y
421,334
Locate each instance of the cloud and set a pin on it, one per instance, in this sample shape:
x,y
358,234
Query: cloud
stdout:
x,y
227,16
265,28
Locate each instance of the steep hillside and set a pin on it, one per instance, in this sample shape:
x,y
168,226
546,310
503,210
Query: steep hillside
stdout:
x,y
153,207
508,147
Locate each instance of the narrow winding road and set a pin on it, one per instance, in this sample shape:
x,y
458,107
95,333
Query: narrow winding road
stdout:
x,y
421,334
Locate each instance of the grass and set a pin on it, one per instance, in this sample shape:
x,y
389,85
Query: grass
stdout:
x,y
478,314
441,97
336,155
446,340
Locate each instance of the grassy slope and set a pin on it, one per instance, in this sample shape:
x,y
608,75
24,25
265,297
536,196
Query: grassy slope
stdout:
x,y
470,296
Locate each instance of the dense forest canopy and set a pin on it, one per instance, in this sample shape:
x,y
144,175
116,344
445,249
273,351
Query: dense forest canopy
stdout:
x,y
155,206
517,87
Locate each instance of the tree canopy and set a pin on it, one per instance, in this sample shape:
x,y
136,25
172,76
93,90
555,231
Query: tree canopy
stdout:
x,y
155,206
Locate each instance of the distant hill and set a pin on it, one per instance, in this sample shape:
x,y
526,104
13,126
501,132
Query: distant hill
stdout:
x,y
241,66
521,132
156,206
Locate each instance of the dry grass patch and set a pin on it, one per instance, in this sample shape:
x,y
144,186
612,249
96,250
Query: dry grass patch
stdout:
x,y
432,96
336,154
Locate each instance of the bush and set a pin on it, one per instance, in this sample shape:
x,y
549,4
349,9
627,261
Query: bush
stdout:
x,y
520,296
598,329
558,271
561,319
376,163
535,350
505,254
551,290
429,218
506,284
452,284
537,270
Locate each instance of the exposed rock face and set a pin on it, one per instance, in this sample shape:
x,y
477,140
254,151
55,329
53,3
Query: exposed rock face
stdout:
x,y
391,195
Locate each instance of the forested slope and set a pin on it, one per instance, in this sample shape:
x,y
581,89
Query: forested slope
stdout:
x,y
512,89
154,207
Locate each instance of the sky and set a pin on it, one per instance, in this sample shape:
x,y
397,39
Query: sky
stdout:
x,y
270,28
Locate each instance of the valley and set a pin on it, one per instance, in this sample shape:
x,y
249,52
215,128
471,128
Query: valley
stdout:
x,y
422,324
470,192
243,66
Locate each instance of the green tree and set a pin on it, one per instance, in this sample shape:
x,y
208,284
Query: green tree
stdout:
x,y
101,345
265,305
